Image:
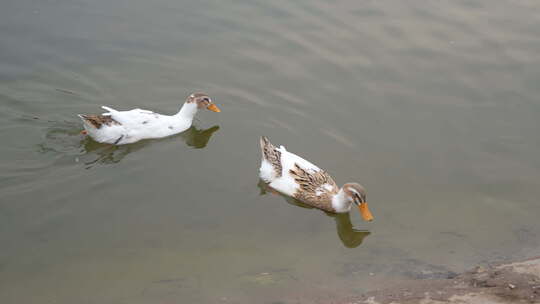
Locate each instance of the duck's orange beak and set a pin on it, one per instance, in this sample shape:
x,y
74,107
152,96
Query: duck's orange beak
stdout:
x,y
212,107
364,211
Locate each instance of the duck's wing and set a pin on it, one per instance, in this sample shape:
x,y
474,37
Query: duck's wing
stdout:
x,y
312,181
314,187
133,117
305,181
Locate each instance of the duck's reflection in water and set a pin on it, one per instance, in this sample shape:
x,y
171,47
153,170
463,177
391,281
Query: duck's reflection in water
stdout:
x,y
193,137
60,139
197,138
350,237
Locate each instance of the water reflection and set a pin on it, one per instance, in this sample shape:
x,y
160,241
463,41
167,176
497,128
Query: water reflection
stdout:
x,y
109,154
350,237
197,138
65,138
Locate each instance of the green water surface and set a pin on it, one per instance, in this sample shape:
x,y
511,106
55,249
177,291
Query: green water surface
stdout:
x,y
433,106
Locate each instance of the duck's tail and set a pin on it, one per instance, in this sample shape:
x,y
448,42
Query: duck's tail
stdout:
x,y
97,121
111,110
271,161
266,146
88,121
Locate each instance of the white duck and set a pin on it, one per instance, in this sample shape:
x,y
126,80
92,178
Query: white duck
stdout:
x,y
294,176
126,127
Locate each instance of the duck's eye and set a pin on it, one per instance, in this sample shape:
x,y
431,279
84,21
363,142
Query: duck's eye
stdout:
x,y
206,99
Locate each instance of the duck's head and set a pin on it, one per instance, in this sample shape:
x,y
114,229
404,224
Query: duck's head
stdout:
x,y
356,194
202,101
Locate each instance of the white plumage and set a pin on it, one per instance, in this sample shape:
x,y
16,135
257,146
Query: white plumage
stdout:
x,y
294,176
125,127
286,183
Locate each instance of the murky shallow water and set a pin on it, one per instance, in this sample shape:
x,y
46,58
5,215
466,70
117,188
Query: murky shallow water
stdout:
x,y
432,106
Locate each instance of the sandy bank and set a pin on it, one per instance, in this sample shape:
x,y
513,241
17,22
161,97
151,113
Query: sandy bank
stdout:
x,y
506,283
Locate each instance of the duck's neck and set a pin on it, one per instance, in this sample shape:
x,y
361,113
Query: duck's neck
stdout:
x,y
188,111
340,202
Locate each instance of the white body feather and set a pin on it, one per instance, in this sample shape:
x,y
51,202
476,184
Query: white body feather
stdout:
x,y
285,183
266,171
138,124
340,203
288,186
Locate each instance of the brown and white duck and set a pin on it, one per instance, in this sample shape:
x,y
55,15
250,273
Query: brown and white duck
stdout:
x,y
126,127
294,176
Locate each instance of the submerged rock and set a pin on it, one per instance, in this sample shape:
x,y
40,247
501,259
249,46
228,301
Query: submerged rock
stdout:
x,y
268,277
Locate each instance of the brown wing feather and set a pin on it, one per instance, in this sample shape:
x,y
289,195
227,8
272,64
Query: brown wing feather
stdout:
x,y
99,120
271,154
310,183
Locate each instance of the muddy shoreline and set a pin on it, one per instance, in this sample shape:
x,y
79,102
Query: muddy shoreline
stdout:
x,y
517,282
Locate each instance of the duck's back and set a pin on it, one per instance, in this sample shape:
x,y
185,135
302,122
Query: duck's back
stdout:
x,y
124,127
294,176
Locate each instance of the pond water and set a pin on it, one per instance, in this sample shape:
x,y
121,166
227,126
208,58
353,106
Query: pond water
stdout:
x,y
432,106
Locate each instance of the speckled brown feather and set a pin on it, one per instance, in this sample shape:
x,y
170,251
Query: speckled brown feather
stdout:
x,y
99,120
271,154
310,183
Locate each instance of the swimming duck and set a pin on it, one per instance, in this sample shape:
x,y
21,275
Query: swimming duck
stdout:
x,y
126,127
294,176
